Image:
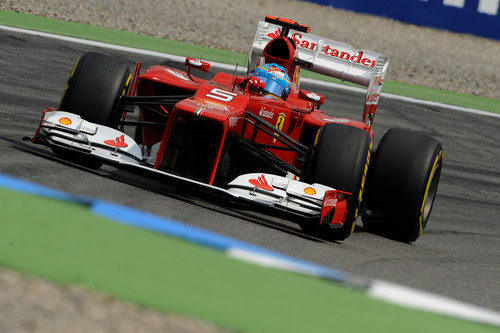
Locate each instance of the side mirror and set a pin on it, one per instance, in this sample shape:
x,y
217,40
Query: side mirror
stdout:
x,y
318,98
197,63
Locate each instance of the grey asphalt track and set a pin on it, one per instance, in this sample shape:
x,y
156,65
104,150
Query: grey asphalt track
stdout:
x,y
458,255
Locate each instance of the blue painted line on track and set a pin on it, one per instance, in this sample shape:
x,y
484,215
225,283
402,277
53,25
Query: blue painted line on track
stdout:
x,y
32,188
136,218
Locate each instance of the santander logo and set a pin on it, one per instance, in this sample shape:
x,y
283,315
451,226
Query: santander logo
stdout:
x,y
330,50
334,52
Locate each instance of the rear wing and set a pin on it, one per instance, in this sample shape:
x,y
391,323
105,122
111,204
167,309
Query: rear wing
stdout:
x,y
331,58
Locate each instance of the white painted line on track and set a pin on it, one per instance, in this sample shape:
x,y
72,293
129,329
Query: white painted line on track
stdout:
x,y
263,260
426,301
224,66
386,291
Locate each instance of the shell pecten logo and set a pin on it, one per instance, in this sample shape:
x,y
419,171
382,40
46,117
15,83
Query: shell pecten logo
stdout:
x,y
310,191
65,121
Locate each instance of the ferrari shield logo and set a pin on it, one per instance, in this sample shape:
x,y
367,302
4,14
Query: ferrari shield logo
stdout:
x,y
279,124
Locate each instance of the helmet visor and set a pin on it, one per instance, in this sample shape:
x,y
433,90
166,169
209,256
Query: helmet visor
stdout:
x,y
273,87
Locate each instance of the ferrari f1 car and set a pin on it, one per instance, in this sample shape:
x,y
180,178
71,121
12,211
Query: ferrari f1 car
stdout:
x,y
257,139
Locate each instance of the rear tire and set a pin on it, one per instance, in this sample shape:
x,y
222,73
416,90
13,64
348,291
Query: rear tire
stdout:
x,y
94,88
340,160
402,184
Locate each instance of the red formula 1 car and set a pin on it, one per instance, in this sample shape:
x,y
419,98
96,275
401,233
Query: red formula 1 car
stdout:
x,y
258,138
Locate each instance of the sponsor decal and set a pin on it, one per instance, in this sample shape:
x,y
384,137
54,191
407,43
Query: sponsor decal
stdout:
x,y
331,202
198,112
372,98
177,74
261,183
266,114
334,209
118,142
310,191
330,50
233,121
65,121
275,34
279,124
303,42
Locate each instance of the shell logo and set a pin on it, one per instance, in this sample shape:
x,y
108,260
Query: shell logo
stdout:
x,y
310,191
65,121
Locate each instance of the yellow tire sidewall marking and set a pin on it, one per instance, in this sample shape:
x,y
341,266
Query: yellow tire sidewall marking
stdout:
x,y
70,76
363,180
126,84
420,218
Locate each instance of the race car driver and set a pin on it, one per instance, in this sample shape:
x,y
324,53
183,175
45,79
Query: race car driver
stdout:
x,y
270,80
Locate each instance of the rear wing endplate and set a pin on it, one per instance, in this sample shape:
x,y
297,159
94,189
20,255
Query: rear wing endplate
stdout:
x,y
331,58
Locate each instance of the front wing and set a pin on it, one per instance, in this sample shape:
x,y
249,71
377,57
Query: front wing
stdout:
x,y
283,196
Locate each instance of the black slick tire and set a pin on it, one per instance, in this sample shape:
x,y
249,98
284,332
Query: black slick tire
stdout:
x,y
93,92
94,88
402,184
340,160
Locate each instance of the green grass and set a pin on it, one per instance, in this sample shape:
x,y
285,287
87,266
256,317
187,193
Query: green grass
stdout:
x,y
66,243
118,37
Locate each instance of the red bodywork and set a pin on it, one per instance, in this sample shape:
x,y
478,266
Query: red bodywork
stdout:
x,y
214,130
221,104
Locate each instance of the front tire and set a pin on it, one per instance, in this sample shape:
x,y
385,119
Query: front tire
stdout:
x,y
340,160
94,88
402,184
93,92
